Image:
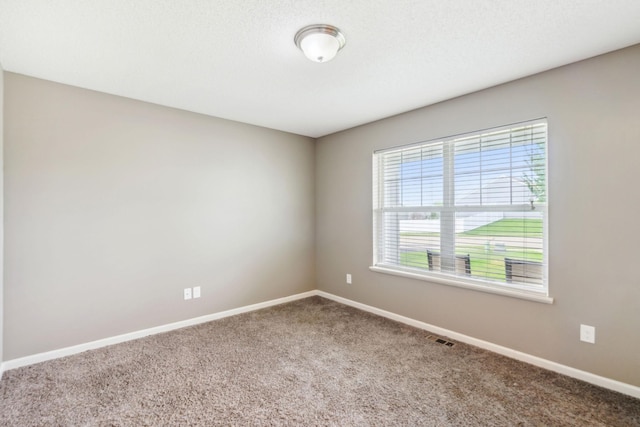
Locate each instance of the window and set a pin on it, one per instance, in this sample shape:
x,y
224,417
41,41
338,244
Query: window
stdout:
x,y
468,210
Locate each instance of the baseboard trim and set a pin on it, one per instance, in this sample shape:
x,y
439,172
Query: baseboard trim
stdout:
x,y
67,351
598,380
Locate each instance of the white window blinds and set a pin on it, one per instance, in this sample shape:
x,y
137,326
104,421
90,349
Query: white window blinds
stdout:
x,y
472,206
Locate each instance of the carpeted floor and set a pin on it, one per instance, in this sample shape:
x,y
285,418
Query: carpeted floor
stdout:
x,y
310,362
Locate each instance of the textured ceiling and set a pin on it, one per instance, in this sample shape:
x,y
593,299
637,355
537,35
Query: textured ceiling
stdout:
x,y
236,59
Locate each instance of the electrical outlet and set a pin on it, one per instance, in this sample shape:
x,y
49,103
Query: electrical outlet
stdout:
x,y
348,279
588,334
187,293
196,291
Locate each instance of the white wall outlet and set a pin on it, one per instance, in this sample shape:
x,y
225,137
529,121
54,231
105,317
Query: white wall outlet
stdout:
x,y
588,334
187,293
348,279
196,291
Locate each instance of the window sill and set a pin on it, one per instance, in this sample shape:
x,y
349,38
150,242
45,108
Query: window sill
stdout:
x,y
462,284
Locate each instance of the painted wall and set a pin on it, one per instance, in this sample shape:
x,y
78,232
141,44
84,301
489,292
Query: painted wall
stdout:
x,y
594,133
113,206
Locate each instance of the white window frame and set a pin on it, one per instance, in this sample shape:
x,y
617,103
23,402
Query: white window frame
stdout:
x,y
449,209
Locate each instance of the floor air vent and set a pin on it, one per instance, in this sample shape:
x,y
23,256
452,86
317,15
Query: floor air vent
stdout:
x,y
440,340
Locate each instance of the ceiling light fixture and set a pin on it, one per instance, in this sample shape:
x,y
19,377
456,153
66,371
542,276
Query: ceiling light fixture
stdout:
x,y
320,43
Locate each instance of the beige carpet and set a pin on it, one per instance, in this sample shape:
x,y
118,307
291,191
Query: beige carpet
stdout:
x,y
310,362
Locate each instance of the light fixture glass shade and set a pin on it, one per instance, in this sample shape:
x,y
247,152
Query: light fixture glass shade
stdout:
x,y
320,43
320,47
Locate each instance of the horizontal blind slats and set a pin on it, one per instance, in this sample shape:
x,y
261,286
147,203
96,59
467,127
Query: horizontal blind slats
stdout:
x,y
498,213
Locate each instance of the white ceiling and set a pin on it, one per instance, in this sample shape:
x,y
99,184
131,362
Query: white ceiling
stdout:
x,y
236,59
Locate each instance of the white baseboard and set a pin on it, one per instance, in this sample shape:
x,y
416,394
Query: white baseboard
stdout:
x,y
608,383
67,351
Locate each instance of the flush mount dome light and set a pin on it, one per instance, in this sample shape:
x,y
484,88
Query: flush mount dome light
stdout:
x,y
320,43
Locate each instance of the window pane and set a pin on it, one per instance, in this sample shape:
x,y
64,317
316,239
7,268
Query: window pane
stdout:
x,y
498,190
425,165
501,168
412,192
468,188
418,232
413,177
491,237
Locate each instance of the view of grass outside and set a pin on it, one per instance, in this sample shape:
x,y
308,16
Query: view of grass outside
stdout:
x,y
487,253
513,227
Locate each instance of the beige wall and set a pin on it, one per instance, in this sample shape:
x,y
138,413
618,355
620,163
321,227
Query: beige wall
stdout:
x,y
113,206
593,112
